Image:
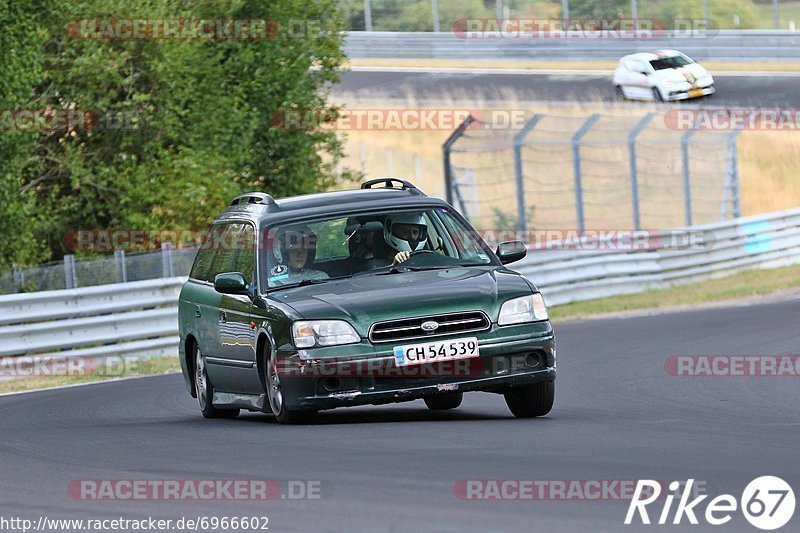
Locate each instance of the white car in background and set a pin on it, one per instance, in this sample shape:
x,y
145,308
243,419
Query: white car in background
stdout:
x,y
661,76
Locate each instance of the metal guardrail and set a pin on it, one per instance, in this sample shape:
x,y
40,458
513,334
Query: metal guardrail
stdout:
x,y
131,319
140,318
761,241
719,45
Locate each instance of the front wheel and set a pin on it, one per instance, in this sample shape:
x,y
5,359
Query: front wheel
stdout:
x,y
205,390
531,400
657,95
444,402
274,387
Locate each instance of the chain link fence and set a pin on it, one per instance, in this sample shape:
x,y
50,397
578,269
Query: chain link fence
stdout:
x,y
120,267
591,172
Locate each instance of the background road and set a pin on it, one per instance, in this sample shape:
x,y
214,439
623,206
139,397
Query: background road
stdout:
x,y
740,90
618,415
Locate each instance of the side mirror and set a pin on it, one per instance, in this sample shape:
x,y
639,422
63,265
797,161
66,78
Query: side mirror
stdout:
x,y
511,251
230,283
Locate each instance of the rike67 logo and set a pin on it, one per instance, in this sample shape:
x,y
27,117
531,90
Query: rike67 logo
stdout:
x,y
767,503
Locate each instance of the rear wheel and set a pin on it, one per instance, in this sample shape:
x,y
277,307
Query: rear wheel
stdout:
x,y
620,94
205,390
531,400
275,395
443,402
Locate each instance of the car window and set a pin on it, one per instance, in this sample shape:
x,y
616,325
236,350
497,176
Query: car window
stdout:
x,y
245,261
669,62
224,244
346,245
201,268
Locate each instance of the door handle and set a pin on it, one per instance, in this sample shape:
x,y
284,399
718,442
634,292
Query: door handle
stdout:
x,y
223,316
197,310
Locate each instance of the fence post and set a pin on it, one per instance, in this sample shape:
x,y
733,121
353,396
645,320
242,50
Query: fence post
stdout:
x,y
733,172
687,181
446,149
634,168
576,167
166,259
70,276
367,15
518,140
122,271
15,274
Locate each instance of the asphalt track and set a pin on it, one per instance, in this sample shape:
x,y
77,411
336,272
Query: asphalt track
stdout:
x,y
618,416
760,90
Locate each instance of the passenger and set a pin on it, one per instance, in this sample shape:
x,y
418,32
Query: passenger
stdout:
x,y
295,252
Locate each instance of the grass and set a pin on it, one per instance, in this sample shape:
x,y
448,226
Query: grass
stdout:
x,y
744,284
787,11
599,65
144,367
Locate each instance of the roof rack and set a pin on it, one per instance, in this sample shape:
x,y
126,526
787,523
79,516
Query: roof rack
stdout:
x,y
388,183
253,198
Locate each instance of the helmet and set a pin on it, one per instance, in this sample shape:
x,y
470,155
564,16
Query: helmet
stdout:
x,y
295,237
392,231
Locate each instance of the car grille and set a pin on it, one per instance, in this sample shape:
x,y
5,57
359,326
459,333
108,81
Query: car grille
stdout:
x,y
411,328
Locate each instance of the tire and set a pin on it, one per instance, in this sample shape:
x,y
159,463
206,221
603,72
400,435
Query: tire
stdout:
x,y
205,390
657,95
444,402
620,94
274,391
531,400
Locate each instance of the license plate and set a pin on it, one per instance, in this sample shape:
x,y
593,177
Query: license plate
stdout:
x,y
433,352
695,93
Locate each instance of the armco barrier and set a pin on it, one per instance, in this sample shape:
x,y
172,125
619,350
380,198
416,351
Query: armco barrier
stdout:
x,y
140,318
131,319
716,45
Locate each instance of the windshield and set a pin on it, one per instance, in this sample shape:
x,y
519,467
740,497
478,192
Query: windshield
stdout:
x,y
371,243
670,62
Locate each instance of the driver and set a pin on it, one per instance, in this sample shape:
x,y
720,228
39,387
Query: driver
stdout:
x,y
405,233
295,251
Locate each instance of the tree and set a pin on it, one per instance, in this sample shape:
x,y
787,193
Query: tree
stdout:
x,y
173,127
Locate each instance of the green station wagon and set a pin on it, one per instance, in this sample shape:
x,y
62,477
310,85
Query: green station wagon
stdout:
x,y
370,296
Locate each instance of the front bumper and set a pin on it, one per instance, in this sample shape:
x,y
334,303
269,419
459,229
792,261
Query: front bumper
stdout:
x,y
686,94
361,374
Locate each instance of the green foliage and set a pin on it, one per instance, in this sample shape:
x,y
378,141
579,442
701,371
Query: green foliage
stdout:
x,y
198,117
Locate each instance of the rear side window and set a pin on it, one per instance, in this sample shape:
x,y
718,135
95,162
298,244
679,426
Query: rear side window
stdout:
x,y
245,254
217,252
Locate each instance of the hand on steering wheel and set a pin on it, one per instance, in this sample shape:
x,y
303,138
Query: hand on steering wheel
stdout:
x,y
404,256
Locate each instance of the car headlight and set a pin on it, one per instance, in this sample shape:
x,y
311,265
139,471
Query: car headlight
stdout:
x,y
308,333
529,308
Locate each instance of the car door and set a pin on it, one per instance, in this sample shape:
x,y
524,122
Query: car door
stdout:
x,y
212,338
237,320
636,83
